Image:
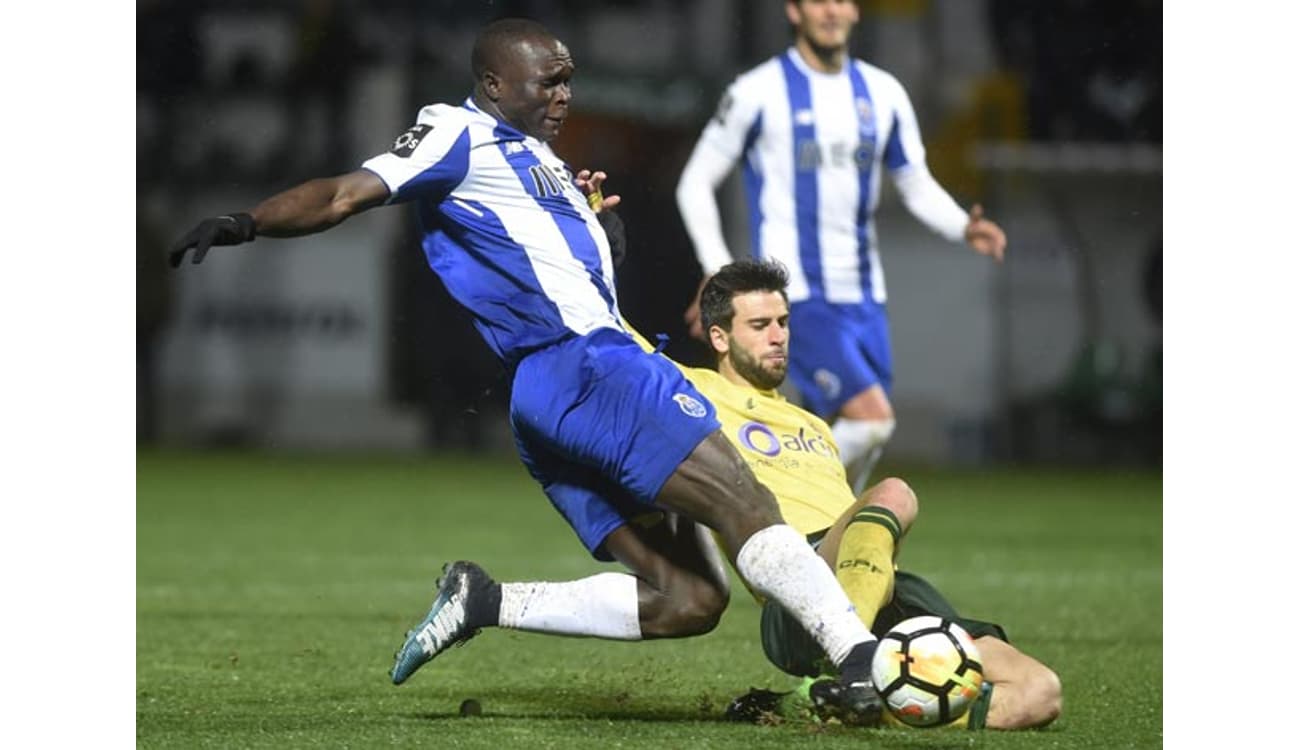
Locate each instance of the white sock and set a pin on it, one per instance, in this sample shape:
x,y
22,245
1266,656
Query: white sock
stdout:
x,y
861,442
778,563
602,606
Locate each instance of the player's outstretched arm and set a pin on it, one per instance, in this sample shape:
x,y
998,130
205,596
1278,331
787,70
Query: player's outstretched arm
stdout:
x,y
313,206
931,204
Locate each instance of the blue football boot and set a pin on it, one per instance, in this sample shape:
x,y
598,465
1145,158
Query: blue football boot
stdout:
x,y
449,622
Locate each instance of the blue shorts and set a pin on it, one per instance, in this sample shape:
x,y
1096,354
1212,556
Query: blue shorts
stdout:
x,y
837,352
601,425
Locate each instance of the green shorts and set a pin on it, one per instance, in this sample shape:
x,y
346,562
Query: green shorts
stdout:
x,y
795,652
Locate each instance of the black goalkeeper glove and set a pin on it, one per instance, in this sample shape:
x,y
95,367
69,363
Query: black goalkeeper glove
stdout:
x,y
613,227
232,229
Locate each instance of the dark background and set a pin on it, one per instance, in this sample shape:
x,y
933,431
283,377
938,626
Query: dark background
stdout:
x,y
1048,76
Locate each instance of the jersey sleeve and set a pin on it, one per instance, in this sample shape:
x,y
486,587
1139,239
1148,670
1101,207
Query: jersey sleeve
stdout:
x,y
904,147
427,161
738,114
904,156
734,126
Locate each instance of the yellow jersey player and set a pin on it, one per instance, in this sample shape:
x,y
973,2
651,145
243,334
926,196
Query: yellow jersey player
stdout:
x,y
745,317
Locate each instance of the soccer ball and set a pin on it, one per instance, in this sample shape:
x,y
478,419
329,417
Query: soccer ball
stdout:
x,y
927,670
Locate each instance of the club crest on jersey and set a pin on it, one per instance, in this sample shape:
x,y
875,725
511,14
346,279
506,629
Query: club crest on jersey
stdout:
x,y
690,406
407,142
828,381
864,108
866,123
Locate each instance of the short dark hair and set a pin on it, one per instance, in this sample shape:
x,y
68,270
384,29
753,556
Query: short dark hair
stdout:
x,y
740,277
497,37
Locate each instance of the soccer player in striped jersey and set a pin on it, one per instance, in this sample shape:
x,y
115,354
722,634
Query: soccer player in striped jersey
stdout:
x,y
610,431
815,129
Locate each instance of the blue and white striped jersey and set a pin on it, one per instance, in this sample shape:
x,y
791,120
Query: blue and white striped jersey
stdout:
x,y
505,228
814,146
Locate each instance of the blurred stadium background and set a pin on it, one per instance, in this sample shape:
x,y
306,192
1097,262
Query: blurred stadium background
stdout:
x,y
1047,113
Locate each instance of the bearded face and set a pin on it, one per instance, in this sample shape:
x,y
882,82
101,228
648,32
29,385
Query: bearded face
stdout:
x,y
757,346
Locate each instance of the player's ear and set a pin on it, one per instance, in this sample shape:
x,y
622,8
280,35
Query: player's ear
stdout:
x,y
492,85
718,339
792,12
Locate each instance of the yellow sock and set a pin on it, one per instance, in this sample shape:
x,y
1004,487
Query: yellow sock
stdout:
x,y
864,564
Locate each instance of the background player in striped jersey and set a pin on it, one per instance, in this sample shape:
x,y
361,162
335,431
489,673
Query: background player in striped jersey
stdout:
x,y
815,128
610,431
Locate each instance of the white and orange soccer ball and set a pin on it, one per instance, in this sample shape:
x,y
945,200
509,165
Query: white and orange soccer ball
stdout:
x,y
928,671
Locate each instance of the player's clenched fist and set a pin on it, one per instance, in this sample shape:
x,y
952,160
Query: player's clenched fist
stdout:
x,y
232,229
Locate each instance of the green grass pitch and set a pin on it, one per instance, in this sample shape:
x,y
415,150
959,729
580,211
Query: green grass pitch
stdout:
x,y
272,592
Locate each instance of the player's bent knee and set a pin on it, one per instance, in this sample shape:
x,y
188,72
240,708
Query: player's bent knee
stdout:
x,y
1044,690
693,609
1036,703
701,619
896,495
